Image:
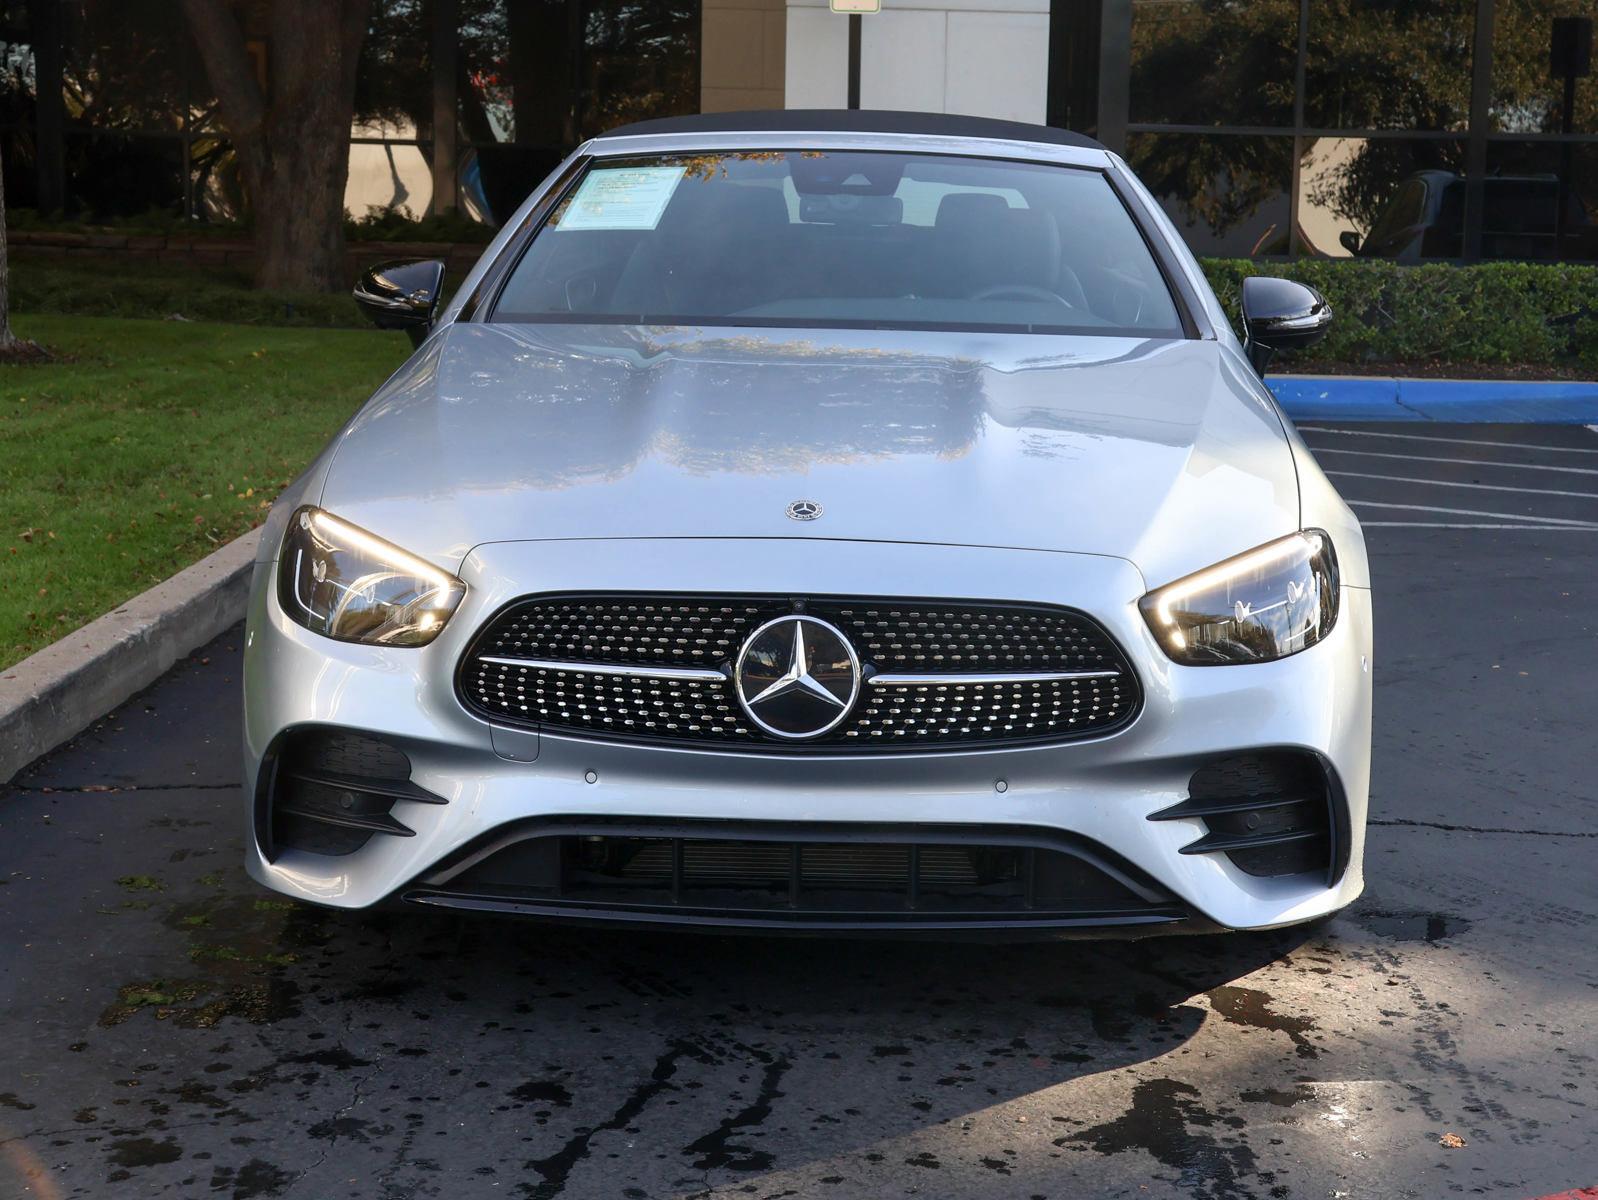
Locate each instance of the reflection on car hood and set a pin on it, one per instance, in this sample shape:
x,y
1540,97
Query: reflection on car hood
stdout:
x,y
1161,452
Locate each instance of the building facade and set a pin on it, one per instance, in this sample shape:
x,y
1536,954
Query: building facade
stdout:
x,y
1400,129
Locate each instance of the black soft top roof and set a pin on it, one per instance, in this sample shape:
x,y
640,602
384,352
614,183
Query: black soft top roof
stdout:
x,y
841,120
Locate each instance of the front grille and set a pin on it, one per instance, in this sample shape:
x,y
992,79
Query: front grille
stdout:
x,y
755,872
657,668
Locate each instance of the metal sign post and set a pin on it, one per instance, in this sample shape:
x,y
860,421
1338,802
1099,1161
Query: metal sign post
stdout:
x,y
855,8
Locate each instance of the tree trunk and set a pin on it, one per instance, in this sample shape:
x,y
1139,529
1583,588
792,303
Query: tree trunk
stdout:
x,y
8,340
12,348
292,139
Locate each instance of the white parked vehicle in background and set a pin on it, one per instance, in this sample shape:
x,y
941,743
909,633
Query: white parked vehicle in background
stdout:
x,y
820,521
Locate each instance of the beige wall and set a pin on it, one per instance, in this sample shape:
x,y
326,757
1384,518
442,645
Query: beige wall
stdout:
x,y
743,54
982,58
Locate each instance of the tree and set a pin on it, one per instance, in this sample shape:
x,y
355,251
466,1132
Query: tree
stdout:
x,y
290,127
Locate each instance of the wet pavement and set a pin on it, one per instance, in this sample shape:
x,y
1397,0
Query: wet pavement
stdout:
x,y
172,1030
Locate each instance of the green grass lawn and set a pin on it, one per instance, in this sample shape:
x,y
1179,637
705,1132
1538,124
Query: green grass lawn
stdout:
x,y
149,444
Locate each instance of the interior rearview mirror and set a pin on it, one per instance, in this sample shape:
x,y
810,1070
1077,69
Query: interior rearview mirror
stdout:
x,y
1279,314
401,295
1349,240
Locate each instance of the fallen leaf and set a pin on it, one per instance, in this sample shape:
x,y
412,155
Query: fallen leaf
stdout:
x,y
1452,1140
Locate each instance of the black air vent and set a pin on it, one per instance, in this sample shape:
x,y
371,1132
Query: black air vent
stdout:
x,y
1271,812
332,790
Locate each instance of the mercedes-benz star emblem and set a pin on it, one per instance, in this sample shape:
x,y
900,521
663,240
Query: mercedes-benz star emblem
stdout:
x,y
804,510
797,677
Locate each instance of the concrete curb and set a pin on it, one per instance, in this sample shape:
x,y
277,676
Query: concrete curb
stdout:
x,y
1380,398
61,690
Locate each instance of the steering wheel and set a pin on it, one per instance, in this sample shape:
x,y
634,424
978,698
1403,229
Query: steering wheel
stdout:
x,y
1019,291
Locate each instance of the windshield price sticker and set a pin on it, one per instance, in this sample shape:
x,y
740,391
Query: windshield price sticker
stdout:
x,y
622,198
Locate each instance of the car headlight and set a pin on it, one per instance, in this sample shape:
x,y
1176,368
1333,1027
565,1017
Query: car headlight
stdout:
x,y
1271,602
342,582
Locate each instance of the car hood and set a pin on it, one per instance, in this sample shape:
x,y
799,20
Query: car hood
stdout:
x,y
1163,452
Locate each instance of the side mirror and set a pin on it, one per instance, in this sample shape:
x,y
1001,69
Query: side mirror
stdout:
x,y
1349,240
1279,314
401,295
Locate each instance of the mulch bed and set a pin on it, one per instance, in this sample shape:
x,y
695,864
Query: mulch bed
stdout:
x,y
23,352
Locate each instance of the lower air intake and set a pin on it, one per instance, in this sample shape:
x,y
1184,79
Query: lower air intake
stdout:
x,y
754,873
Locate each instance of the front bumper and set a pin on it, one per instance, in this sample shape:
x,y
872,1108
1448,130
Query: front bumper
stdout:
x,y
1101,791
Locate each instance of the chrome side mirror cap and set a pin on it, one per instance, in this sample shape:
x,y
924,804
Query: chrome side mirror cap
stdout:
x,y
404,294
1279,314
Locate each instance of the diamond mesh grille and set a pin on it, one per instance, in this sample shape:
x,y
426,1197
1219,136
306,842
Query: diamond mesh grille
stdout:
x,y
893,637
661,632
950,638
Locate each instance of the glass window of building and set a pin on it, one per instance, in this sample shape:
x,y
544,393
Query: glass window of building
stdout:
x,y
1529,97
1395,198
1389,64
1330,128
1228,193
1196,62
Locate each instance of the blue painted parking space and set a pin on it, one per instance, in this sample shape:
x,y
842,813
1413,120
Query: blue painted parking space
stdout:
x,y
1377,398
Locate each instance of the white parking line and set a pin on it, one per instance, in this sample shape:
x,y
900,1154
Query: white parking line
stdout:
x,y
1472,512
1482,525
1466,462
1485,487
1420,437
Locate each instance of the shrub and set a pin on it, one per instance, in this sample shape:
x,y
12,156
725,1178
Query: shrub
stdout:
x,y
385,225
1532,313
103,287
1536,314
378,225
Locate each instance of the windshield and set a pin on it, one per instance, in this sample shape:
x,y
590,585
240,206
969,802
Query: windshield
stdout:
x,y
851,240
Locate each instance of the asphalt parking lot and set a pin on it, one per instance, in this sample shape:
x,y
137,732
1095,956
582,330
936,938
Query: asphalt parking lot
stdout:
x,y
169,1029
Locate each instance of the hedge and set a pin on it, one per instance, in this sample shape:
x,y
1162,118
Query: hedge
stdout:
x,y
378,225
103,287
1543,314
1534,314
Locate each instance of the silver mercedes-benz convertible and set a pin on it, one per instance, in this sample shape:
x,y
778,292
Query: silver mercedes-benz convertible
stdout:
x,y
826,522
